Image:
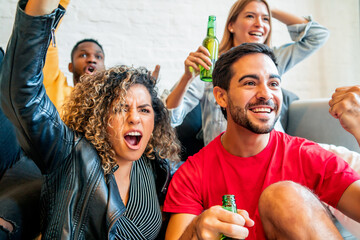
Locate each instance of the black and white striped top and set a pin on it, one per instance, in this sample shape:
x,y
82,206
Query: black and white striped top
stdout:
x,y
142,218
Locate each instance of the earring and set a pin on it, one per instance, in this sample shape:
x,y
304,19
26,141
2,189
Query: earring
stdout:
x,y
231,30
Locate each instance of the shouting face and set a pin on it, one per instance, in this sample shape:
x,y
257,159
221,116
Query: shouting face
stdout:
x,y
130,130
86,59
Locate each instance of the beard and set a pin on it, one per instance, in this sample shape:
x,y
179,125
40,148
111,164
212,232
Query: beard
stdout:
x,y
240,117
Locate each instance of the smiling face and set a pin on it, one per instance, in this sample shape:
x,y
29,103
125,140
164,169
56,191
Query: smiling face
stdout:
x,y
130,130
87,58
254,98
252,25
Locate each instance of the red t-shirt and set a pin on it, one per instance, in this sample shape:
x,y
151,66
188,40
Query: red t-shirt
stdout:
x,y
205,177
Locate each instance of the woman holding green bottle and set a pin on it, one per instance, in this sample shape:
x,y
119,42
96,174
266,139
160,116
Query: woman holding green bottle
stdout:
x,y
248,21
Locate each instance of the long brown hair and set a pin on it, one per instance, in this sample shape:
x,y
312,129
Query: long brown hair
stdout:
x,y
227,40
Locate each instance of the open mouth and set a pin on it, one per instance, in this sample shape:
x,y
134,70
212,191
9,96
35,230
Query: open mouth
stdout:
x,y
133,139
90,69
256,34
261,110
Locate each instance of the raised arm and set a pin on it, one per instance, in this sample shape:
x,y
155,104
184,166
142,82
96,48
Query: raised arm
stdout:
x,y
199,57
38,125
55,82
286,17
307,36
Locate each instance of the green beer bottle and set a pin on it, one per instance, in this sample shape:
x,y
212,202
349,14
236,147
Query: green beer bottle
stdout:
x,y
228,203
212,44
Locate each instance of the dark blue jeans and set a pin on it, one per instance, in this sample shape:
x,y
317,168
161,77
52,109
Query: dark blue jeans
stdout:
x,y
9,146
20,186
20,190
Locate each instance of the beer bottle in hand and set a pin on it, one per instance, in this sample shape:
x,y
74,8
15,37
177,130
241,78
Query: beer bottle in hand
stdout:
x,y
212,44
228,203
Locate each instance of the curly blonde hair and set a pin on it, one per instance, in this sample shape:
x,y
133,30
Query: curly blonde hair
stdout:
x,y
88,109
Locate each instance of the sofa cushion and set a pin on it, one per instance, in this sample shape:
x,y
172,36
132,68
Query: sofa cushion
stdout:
x,y
311,119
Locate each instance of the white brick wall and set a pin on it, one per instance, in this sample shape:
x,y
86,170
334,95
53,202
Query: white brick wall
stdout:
x,y
146,33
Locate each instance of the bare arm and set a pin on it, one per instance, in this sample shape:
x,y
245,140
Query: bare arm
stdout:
x,y
200,57
349,202
40,7
177,225
345,106
287,18
209,225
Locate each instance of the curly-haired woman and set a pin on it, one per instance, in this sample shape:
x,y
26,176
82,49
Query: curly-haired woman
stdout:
x,y
104,168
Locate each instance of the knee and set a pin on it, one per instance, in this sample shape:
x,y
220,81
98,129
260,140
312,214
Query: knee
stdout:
x,y
286,198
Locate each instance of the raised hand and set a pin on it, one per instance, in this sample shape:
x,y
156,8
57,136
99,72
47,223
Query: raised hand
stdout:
x,y
199,57
155,73
345,106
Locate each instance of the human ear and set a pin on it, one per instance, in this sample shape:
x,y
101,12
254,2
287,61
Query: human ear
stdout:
x,y
70,67
220,96
230,27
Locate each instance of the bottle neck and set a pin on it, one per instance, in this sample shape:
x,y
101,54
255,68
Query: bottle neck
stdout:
x,y
228,201
211,31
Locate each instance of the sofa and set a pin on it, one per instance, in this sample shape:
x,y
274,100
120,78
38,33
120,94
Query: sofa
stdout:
x,y
311,119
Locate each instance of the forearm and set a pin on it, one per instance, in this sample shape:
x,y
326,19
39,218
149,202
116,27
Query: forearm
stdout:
x,y
190,232
177,94
40,7
287,18
349,202
181,227
357,137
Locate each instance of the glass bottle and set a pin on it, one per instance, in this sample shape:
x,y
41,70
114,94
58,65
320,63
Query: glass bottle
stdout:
x,y
228,203
212,44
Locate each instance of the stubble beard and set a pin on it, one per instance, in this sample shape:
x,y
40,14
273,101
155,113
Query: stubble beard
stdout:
x,y
240,117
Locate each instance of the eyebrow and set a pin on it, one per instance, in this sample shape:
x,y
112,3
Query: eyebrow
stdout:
x,y
144,105
254,76
84,50
275,76
255,13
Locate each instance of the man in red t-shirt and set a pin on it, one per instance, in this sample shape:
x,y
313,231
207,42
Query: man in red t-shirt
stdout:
x,y
278,180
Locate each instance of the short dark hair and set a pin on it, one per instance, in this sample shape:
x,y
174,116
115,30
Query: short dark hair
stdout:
x,y
85,40
223,73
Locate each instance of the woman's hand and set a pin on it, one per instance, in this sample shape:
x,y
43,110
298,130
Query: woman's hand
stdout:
x,y
200,57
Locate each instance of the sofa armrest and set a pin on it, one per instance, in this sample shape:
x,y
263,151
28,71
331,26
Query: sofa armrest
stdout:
x,y
311,119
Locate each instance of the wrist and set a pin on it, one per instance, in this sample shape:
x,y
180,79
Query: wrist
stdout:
x,y
191,231
188,77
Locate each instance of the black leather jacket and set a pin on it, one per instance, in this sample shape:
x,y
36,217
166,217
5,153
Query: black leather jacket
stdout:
x,y
78,201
